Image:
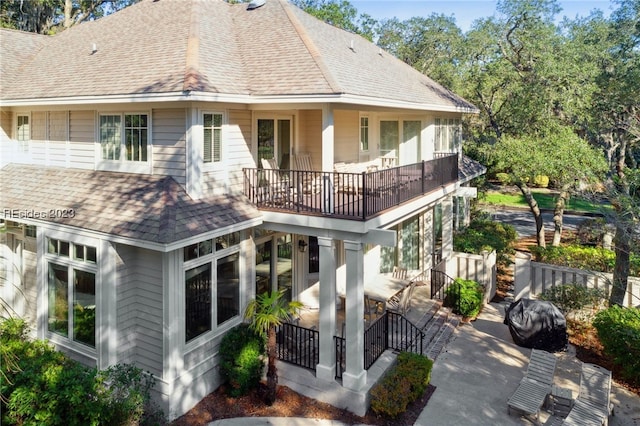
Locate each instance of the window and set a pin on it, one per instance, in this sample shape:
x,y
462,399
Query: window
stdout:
x,y
23,132
74,317
212,137
212,284
364,133
447,134
124,137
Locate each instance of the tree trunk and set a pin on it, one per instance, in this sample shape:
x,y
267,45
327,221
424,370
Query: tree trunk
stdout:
x,y
272,373
558,213
621,268
68,8
535,209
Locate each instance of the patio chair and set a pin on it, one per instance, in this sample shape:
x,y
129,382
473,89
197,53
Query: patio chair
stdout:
x,y
373,308
400,273
311,180
535,386
278,185
593,405
401,301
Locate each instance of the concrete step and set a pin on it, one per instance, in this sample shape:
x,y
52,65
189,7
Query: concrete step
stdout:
x,y
438,331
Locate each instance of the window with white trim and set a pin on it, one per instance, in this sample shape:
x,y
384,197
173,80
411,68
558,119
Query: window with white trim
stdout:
x,y
364,134
212,284
448,134
71,291
124,137
212,137
23,131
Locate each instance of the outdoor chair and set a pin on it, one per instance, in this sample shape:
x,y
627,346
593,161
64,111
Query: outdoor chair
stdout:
x,y
535,386
373,308
400,273
401,301
278,185
593,405
311,180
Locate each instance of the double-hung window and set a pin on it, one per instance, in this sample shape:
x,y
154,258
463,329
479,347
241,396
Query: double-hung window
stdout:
x,y
23,132
212,137
71,291
124,138
447,134
364,134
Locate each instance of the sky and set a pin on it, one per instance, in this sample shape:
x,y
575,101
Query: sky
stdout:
x,y
464,11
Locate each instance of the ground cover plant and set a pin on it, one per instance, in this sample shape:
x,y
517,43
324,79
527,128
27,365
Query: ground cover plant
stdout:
x,y
546,200
619,331
43,386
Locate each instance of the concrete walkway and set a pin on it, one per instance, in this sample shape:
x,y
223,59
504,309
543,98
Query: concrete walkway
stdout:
x,y
475,375
480,369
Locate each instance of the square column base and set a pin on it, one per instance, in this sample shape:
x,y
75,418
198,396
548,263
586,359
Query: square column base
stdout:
x,y
354,382
327,373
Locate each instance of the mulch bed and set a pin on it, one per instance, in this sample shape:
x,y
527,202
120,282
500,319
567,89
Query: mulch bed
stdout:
x,y
218,405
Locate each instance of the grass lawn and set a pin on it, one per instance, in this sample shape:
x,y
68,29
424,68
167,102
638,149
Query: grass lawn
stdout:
x,y
546,200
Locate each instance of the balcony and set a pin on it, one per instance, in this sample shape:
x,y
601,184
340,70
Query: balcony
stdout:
x,y
353,196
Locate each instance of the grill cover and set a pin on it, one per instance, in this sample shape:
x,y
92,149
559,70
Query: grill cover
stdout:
x,y
537,324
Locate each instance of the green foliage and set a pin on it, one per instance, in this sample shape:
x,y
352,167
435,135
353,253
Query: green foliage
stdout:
x,y
486,235
570,298
541,181
619,332
242,359
503,178
579,257
403,384
43,386
465,297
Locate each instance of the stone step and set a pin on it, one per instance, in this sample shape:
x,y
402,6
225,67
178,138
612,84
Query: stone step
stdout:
x,y
432,328
442,336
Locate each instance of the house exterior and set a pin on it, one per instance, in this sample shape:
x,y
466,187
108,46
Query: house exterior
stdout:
x,y
138,217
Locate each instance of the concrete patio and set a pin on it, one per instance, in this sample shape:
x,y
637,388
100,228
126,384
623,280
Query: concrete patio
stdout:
x,y
481,367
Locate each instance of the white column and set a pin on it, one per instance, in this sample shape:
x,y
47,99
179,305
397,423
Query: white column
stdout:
x,y
326,368
107,322
327,157
447,227
355,376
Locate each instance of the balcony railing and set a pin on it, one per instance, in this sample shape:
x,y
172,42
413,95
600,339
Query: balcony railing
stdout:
x,y
355,196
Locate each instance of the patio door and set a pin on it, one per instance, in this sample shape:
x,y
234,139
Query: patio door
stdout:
x,y
274,140
389,140
410,147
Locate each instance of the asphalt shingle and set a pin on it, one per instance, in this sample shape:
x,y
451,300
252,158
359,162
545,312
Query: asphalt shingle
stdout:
x,y
141,207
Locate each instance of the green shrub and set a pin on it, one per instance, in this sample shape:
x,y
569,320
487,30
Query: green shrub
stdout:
x,y
579,257
43,386
465,297
503,178
541,181
486,235
570,298
242,355
403,384
619,332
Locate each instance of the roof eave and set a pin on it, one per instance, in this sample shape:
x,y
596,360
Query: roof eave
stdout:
x,y
337,98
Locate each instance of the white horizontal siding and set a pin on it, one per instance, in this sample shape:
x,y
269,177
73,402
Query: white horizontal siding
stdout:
x,y
82,136
58,149
347,136
169,129
139,308
38,144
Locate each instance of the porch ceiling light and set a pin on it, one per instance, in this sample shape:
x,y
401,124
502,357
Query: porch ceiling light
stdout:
x,y
302,246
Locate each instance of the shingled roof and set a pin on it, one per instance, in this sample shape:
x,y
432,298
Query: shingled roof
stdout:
x,y
184,48
146,208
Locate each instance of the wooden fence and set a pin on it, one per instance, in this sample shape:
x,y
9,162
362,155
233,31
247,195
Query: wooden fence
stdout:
x,y
532,278
477,267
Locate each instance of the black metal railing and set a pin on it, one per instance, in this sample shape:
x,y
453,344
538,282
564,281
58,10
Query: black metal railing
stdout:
x,y
442,288
341,355
356,196
376,340
404,336
297,345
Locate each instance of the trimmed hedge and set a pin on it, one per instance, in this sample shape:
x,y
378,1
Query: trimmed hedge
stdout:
x,y
580,257
404,383
619,332
242,355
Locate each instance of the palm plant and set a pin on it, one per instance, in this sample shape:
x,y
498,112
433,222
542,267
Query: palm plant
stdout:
x,y
266,312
